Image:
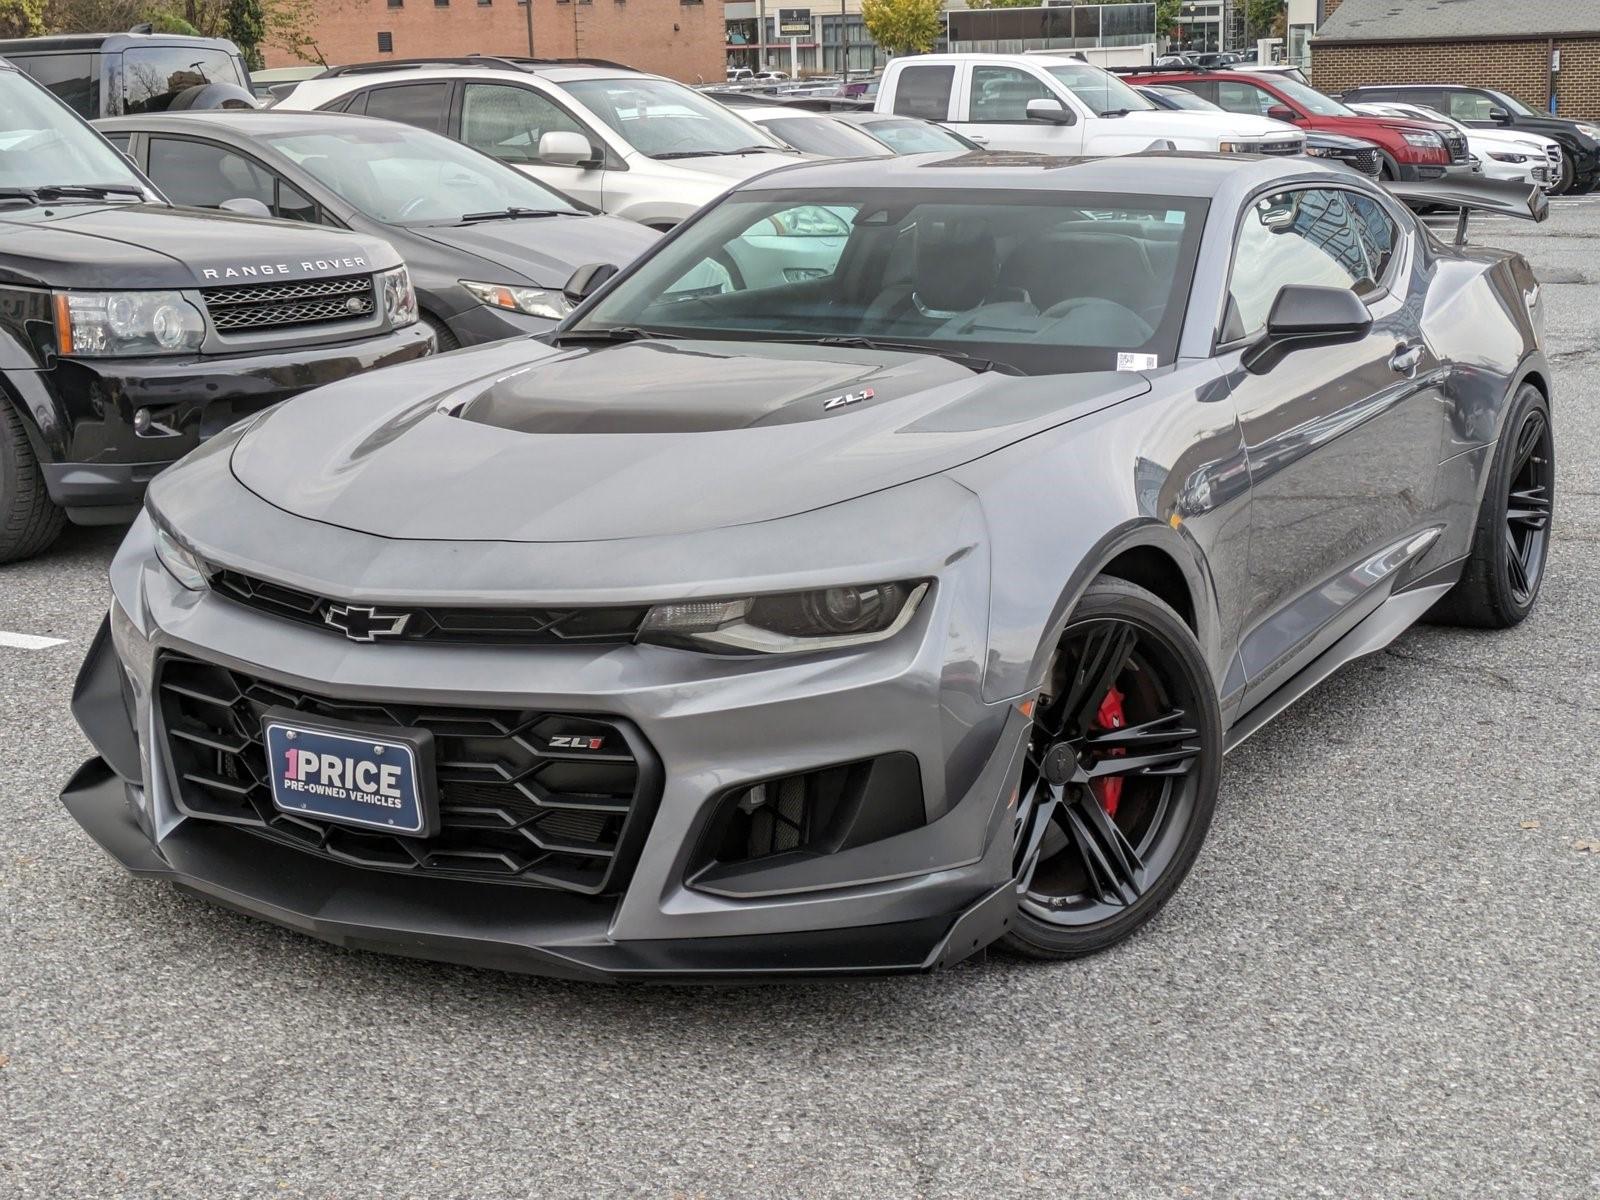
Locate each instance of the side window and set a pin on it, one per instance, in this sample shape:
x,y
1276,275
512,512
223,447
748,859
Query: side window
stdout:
x,y
419,104
293,204
74,78
1314,237
154,76
120,140
1205,90
203,175
1377,232
925,92
508,122
1002,94
1471,106
1244,98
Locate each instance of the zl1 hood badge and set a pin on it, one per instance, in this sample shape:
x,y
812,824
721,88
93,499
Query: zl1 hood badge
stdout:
x,y
848,398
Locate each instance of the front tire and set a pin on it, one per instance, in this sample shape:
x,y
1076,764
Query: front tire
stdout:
x,y
442,333
1121,779
29,521
1511,541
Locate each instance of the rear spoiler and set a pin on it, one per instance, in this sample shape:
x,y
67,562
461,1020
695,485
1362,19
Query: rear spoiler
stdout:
x,y
1521,200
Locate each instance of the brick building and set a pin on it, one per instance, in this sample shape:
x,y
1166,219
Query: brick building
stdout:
x,y
1536,50
680,38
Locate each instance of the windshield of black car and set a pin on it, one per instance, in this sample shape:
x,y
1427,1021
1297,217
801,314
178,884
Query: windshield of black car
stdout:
x,y
1310,99
401,175
906,136
1044,281
42,144
1102,91
658,116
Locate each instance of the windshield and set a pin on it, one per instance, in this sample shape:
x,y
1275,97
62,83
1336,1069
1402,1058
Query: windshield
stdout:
x,y
1512,105
1041,281
915,137
42,144
1310,99
1102,91
824,136
401,175
1187,100
658,117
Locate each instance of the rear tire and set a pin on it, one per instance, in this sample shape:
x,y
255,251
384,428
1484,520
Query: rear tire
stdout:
x,y
1511,541
29,521
1564,184
1586,185
442,333
1122,775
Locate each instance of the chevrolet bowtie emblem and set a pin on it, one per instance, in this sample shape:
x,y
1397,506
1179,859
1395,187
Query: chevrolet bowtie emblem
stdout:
x,y
363,624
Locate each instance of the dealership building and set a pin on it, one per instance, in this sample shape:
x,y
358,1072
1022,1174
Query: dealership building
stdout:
x,y
1546,53
680,38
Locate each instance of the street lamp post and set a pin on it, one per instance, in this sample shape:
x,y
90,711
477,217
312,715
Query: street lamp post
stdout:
x,y
844,43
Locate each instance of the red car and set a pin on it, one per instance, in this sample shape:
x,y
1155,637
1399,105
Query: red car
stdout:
x,y
1412,149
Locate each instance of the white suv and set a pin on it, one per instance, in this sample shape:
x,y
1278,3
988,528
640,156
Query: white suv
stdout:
x,y
1050,104
630,144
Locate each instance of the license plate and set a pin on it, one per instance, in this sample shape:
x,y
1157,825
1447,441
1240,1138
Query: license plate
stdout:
x,y
341,773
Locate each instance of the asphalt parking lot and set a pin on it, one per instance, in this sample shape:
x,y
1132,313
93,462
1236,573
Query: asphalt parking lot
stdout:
x,y
1381,979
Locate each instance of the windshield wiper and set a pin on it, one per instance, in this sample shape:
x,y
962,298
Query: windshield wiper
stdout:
x,y
510,214
665,154
972,361
616,333
66,191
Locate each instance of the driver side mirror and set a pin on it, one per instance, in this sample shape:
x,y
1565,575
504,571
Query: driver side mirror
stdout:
x,y
1051,112
246,205
586,280
1499,116
1304,316
1282,112
563,148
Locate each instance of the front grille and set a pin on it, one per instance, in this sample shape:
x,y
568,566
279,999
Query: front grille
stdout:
x,y
1365,161
1288,146
1457,145
512,807
466,626
284,305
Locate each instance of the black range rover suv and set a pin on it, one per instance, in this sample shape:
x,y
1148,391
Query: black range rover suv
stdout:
x,y
130,329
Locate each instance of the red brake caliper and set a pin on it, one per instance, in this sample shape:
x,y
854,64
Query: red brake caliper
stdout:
x,y
1109,790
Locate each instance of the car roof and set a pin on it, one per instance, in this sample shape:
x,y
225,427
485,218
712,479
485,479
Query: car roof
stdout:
x,y
554,70
108,41
245,122
1162,173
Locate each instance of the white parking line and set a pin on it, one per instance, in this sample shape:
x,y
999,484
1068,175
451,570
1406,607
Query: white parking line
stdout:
x,y
29,641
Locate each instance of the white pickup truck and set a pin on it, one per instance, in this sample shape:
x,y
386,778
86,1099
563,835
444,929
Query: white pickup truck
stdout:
x,y
1049,104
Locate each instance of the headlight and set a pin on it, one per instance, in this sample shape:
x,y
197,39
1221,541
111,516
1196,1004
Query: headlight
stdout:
x,y
1508,157
399,300
126,324
535,302
1588,130
788,623
1321,152
182,563
1422,139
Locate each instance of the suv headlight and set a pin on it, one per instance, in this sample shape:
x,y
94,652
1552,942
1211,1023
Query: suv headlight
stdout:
x,y
1422,139
532,301
126,324
181,562
789,622
1507,156
1588,130
399,298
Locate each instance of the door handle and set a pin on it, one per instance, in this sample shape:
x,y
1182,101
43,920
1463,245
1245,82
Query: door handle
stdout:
x,y
1405,359
982,141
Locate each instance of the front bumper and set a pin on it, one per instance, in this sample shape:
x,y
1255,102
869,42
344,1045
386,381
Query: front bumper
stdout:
x,y
97,465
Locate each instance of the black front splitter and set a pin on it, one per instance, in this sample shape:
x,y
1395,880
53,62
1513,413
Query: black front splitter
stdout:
x,y
472,924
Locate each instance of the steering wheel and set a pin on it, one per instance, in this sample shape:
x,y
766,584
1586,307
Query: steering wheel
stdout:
x,y
410,205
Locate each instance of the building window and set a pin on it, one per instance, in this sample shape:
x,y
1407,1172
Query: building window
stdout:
x,y
441,3
385,42
397,3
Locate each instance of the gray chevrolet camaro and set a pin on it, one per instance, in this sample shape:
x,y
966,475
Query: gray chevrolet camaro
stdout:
x,y
879,568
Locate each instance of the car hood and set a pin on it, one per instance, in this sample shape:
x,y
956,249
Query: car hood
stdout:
x,y
1507,137
1164,122
640,439
546,250
160,246
729,166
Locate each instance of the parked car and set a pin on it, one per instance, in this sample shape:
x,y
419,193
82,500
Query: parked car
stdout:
x,y
489,248
131,329
1356,153
1485,108
1060,105
1503,153
626,143
853,135
1411,149
1285,70
273,83
108,74
841,626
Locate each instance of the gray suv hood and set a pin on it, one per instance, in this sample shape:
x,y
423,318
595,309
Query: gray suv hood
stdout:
x,y
639,439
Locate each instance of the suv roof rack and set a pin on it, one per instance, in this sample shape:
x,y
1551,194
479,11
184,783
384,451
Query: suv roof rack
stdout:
x,y
1171,69
492,61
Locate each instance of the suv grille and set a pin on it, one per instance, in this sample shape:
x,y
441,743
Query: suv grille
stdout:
x,y
494,626
1456,144
512,809
283,305
1366,161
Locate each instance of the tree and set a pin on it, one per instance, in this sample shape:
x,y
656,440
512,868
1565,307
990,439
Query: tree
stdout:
x,y
244,23
292,26
903,26
21,18
1261,18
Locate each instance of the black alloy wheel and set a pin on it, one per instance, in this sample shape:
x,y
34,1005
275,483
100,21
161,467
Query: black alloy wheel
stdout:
x,y
1121,775
1511,542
